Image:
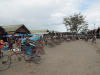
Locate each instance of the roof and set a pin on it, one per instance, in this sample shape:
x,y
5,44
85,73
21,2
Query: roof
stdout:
x,y
11,28
2,30
42,33
38,31
53,31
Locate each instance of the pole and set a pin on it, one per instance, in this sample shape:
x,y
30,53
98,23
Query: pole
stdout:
x,y
94,29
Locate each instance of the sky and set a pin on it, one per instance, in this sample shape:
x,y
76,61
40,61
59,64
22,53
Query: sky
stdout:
x,y
48,14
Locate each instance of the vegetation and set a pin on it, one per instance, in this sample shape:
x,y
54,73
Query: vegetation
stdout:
x,y
76,23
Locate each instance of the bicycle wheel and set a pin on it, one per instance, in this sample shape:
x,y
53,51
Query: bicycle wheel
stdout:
x,y
5,62
59,43
41,52
53,44
37,58
27,57
49,45
56,43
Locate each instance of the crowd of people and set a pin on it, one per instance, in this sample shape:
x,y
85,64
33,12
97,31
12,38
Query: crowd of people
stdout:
x,y
20,41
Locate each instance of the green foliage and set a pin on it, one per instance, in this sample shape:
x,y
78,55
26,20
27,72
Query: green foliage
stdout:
x,y
75,22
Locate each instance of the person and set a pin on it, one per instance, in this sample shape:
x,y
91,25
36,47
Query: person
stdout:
x,y
41,38
23,39
1,46
10,44
86,38
18,43
68,39
95,37
44,38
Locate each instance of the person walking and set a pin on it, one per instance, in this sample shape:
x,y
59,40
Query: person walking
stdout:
x,y
86,38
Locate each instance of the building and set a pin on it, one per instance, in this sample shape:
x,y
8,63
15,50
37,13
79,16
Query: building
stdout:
x,y
40,32
16,29
3,32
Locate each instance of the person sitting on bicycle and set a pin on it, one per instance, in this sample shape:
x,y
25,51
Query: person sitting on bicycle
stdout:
x,y
27,43
68,39
1,45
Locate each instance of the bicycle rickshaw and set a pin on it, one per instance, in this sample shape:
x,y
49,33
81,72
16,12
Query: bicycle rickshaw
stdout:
x,y
29,50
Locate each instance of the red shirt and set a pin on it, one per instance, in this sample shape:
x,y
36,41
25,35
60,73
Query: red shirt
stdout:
x,y
1,44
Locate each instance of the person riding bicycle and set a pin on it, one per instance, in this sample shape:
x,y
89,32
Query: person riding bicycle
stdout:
x,y
1,46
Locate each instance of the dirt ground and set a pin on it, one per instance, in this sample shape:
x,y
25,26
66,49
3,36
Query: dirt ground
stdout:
x,y
69,58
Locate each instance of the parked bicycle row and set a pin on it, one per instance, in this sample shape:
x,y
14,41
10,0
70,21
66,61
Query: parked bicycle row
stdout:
x,y
27,48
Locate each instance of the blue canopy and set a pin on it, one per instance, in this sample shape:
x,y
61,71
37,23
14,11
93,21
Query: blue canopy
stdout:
x,y
16,35
36,38
31,34
8,35
22,34
4,35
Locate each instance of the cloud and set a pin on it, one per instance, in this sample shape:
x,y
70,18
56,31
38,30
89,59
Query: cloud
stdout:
x,y
58,14
93,15
47,14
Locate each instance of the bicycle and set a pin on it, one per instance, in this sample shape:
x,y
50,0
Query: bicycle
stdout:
x,y
73,39
50,43
29,53
57,42
93,41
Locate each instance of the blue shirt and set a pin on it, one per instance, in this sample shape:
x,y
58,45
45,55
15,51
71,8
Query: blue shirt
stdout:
x,y
23,39
95,37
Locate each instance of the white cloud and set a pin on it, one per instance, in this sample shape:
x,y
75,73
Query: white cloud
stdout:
x,y
46,14
93,15
58,14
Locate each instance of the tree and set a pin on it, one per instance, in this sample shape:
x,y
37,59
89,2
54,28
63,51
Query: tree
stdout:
x,y
75,22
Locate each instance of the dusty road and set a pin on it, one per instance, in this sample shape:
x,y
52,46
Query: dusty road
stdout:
x,y
74,58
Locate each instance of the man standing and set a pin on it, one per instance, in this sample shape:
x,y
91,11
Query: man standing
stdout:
x,y
10,44
86,38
